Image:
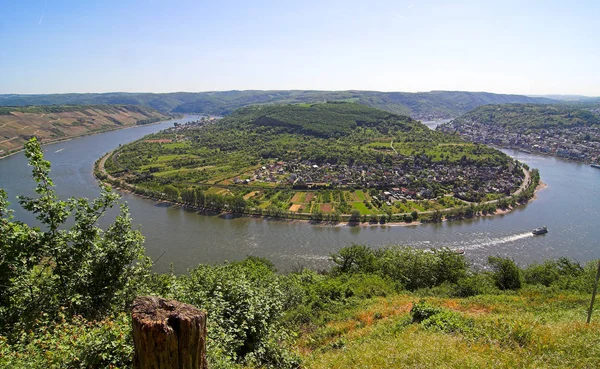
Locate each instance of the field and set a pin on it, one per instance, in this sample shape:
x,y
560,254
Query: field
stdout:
x,y
528,330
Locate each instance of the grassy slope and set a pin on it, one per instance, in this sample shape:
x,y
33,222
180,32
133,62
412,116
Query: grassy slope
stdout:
x,y
51,123
530,329
421,105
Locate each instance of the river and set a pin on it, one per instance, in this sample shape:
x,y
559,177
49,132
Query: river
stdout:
x,y
569,206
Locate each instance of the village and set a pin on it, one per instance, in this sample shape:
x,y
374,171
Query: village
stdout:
x,y
579,143
395,183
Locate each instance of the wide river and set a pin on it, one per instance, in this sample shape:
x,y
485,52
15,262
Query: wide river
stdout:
x,y
569,206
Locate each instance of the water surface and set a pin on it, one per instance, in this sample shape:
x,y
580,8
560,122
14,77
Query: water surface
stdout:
x,y
569,206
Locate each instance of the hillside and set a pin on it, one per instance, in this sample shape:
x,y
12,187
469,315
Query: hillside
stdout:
x,y
323,161
421,105
565,130
51,123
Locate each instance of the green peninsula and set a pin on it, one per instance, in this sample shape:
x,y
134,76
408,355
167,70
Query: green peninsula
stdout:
x,y
328,161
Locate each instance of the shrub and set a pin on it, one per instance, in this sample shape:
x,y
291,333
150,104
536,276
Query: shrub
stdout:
x,y
506,273
245,302
354,259
423,310
553,271
75,344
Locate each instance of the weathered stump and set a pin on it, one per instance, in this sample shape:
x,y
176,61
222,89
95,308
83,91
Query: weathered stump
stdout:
x,y
168,334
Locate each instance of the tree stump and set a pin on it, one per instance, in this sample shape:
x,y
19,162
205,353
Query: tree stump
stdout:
x,y
168,334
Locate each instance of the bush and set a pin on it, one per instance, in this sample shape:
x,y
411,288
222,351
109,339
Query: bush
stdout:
x,y
506,273
423,310
354,259
472,285
245,302
75,344
68,265
553,271
447,321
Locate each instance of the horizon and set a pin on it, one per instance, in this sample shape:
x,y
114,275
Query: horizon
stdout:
x,y
538,48
549,96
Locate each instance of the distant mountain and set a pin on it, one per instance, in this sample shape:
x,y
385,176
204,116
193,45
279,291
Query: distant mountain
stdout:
x,y
420,105
565,97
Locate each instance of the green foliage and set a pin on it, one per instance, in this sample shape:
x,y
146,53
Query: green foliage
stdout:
x,y
561,271
507,274
77,343
422,311
79,268
408,267
524,117
245,302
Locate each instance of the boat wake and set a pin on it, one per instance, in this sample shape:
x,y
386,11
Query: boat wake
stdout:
x,y
482,243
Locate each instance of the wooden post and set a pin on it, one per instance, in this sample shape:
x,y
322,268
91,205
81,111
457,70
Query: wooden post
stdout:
x,y
168,334
589,317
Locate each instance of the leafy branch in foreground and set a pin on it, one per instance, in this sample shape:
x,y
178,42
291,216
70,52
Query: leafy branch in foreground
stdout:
x,y
68,265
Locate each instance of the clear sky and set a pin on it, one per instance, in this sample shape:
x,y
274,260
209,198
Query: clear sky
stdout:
x,y
504,46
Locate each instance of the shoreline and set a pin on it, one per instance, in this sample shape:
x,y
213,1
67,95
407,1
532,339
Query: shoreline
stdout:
x,y
540,153
52,142
99,166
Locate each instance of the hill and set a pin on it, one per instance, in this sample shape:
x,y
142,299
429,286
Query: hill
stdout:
x,y
565,130
323,161
421,105
52,123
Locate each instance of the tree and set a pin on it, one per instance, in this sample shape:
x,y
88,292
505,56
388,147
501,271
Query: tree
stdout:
x,y
171,192
354,259
238,204
69,264
354,216
188,196
507,274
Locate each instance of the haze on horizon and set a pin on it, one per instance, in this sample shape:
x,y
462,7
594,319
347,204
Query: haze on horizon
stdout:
x,y
534,47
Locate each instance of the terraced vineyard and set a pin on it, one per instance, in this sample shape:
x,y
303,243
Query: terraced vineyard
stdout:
x,y
53,123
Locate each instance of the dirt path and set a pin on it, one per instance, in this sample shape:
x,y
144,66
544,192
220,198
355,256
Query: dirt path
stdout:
x,y
101,167
393,148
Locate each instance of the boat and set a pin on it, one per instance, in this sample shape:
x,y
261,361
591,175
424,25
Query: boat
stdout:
x,y
541,230
595,166
459,251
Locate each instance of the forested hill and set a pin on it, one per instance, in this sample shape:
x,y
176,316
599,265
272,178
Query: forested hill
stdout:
x,y
52,123
335,119
518,117
420,105
565,130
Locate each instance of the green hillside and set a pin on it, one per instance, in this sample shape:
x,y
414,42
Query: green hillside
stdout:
x,y
523,117
327,161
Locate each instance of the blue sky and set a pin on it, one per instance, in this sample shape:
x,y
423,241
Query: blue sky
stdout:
x,y
526,47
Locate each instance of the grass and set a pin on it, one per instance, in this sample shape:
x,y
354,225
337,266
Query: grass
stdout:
x,y
360,195
526,330
361,207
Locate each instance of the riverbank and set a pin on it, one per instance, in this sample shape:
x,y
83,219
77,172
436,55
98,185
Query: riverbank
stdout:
x,y
468,211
